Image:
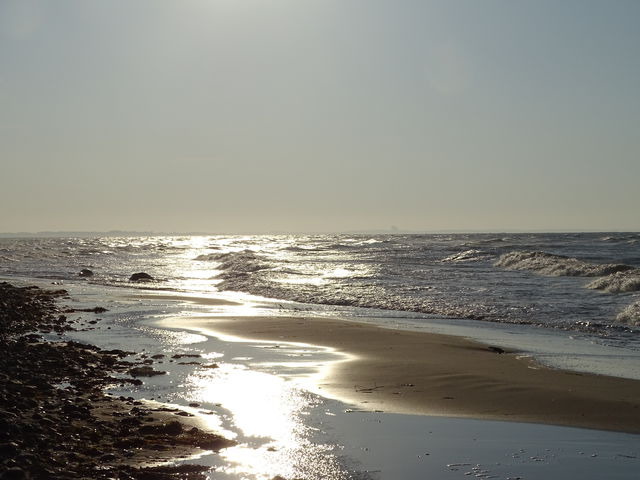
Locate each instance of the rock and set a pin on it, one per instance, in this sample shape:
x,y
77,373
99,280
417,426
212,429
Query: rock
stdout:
x,y
172,428
140,277
85,272
144,372
9,450
14,473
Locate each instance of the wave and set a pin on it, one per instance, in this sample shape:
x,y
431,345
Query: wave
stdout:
x,y
220,257
365,297
630,315
557,265
466,256
621,238
296,248
236,264
628,281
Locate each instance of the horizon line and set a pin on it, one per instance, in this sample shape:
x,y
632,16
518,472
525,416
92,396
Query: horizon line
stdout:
x,y
395,231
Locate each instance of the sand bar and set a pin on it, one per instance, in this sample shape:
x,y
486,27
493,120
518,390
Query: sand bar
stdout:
x,y
187,298
425,373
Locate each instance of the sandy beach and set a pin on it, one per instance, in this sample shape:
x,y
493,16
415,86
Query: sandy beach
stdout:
x,y
432,374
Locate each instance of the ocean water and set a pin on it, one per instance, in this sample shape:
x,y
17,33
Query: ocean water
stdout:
x,y
556,287
578,282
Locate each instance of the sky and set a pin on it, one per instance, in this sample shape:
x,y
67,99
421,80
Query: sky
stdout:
x,y
242,116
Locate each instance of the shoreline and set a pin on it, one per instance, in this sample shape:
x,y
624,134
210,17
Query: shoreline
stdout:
x,y
56,421
424,373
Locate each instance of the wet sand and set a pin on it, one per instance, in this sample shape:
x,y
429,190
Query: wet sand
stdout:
x,y
202,300
432,374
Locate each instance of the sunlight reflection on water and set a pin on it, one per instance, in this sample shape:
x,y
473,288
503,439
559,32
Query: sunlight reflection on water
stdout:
x,y
272,416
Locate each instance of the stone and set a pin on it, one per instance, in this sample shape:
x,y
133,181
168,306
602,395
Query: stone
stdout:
x,y
144,372
140,277
85,272
14,473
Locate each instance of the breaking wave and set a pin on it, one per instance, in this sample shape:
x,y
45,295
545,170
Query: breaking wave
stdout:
x,y
619,282
557,265
630,315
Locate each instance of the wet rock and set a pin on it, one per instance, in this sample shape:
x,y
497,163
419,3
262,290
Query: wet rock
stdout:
x,y
52,422
9,450
92,310
140,277
15,473
171,428
144,372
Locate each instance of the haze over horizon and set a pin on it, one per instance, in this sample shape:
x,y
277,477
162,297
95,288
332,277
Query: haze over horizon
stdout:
x,y
252,116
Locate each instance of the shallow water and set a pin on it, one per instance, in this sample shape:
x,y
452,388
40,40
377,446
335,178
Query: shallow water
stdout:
x,y
259,395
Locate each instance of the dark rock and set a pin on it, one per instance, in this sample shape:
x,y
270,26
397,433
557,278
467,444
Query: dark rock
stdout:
x,y
85,272
144,372
9,450
172,428
49,431
140,277
15,473
186,355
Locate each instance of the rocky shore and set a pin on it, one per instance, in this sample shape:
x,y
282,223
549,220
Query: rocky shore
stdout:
x,y
56,422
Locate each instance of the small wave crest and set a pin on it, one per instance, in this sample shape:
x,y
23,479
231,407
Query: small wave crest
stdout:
x,y
466,256
630,315
296,248
221,257
630,238
628,281
235,264
556,265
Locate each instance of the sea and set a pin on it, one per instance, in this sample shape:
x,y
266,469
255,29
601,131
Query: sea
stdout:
x,y
587,282
570,300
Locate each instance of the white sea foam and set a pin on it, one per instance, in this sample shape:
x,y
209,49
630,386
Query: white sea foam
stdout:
x,y
630,315
556,265
618,282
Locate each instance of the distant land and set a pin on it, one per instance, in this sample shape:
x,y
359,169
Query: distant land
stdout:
x,y
391,231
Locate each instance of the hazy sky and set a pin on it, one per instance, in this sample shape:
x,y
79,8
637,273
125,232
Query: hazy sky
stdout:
x,y
238,115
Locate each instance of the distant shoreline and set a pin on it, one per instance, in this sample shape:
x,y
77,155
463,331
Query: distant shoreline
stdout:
x,y
131,233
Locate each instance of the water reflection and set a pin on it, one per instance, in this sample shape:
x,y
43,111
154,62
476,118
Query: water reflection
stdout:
x,y
276,421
